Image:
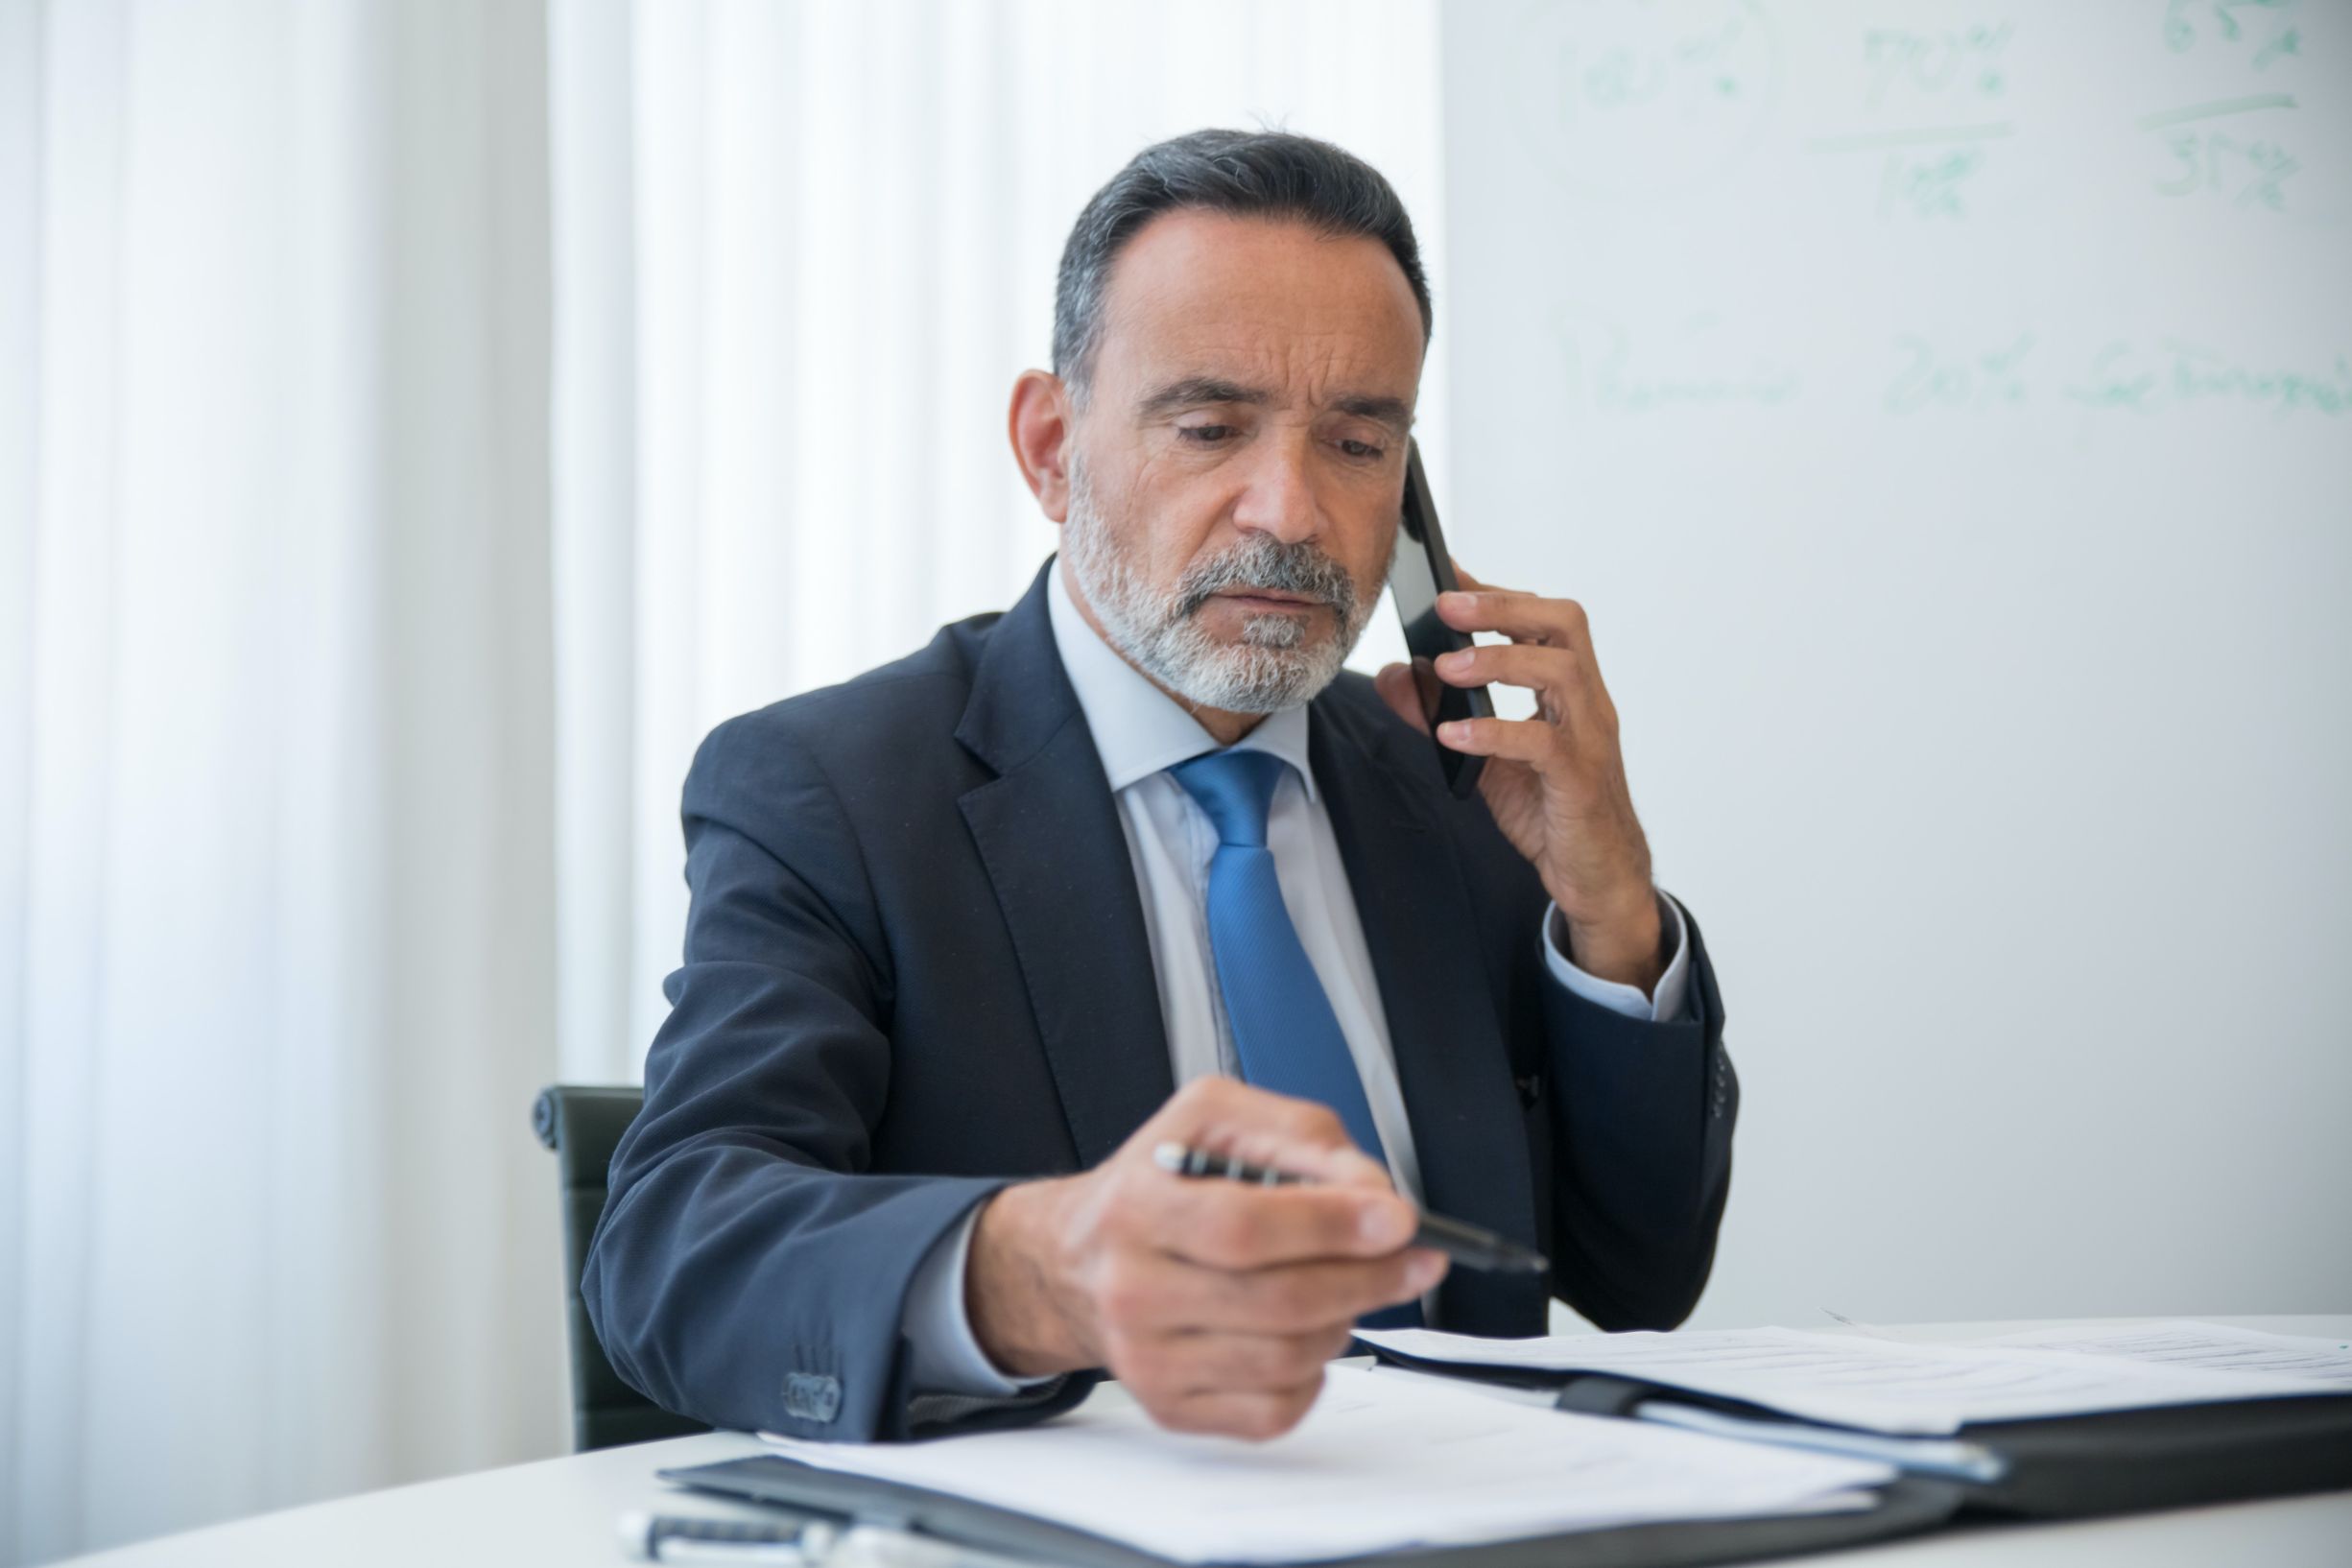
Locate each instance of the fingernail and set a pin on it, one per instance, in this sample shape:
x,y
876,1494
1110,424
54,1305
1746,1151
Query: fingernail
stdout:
x,y
1384,1225
1453,729
1427,1272
1456,660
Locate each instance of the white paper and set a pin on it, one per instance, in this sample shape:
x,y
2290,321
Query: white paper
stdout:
x,y
1872,1384
1380,1462
2205,1346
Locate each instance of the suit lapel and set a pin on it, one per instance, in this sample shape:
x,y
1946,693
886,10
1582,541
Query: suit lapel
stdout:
x,y
1452,1061
1048,833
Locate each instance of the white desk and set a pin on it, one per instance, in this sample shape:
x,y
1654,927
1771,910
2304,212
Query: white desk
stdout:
x,y
565,1512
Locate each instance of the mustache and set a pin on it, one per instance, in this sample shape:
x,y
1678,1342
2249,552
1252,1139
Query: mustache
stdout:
x,y
1263,561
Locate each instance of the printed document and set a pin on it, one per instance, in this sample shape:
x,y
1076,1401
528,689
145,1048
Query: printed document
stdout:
x,y
2206,1347
1381,1462
1876,1385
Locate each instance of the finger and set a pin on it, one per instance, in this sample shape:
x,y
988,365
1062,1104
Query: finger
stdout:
x,y
1226,1115
1351,1210
1530,741
1289,1299
1280,1133
1524,617
1561,672
1257,1416
1305,1297
1345,1166
1211,1361
1224,1225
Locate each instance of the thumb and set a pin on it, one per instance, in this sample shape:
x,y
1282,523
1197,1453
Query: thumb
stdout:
x,y
1396,688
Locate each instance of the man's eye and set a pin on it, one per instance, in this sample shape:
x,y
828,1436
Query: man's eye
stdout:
x,y
1204,434
1363,449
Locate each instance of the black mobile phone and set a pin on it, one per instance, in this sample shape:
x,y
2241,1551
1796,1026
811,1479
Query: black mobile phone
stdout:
x,y
1423,571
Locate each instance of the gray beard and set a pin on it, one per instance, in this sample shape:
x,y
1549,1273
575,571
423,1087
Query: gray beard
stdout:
x,y
1272,668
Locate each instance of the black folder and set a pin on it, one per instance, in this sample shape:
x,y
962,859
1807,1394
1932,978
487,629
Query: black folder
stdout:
x,y
1908,1507
2058,1467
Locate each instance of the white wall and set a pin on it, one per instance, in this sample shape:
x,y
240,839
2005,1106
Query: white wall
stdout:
x,y
1945,413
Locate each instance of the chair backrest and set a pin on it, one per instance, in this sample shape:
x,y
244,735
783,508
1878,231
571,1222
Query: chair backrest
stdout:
x,y
582,1124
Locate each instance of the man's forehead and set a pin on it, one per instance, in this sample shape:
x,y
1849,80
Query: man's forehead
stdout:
x,y
1268,304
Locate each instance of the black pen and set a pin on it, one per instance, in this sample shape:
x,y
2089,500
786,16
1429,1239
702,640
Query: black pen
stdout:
x,y
1466,1244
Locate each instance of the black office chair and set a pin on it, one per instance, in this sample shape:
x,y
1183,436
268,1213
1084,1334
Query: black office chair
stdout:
x,y
582,1124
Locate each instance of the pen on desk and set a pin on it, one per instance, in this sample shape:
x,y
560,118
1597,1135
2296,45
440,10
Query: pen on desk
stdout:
x,y
1466,1244
813,1543
655,1538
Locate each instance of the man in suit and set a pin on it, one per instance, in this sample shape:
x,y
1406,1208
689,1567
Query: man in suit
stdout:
x,y
1136,862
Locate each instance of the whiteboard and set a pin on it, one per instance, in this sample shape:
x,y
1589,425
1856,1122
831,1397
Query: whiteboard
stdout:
x,y
1944,412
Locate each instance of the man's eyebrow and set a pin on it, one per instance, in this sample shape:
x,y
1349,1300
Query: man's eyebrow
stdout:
x,y
1195,390
1393,411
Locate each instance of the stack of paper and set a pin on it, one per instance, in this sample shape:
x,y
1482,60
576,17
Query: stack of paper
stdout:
x,y
1885,1385
2207,1347
1381,1462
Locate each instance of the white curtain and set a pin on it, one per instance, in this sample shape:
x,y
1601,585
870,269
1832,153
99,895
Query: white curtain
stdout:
x,y
277,950
420,422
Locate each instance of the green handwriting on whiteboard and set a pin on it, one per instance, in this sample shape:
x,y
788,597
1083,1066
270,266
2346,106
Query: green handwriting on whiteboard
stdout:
x,y
1691,368
1626,99
2265,28
1927,169
2229,145
1930,186
1950,62
1927,379
2250,172
1709,60
2123,376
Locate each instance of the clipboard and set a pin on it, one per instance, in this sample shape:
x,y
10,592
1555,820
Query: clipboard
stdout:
x,y
2056,1467
1909,1506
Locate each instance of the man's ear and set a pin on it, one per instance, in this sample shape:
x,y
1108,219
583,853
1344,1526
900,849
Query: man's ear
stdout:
x,y
1042,428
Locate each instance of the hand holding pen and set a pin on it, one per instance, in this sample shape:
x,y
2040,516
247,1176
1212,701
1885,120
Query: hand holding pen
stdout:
x,y
1466,1244
1215,1303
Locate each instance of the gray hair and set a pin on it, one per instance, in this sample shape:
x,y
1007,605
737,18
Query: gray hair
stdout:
x,y
1270,173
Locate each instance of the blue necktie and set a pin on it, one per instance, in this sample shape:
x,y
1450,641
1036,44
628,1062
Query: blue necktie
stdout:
x,y
1287,1035
1284,1030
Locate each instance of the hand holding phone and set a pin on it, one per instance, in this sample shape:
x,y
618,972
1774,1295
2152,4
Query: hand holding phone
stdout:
x,y
1556,786
1423,571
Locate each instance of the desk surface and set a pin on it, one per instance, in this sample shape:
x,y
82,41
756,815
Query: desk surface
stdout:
x,y
564,1510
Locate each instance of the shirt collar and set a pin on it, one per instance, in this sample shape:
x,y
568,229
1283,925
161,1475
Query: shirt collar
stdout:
x,y
1139,729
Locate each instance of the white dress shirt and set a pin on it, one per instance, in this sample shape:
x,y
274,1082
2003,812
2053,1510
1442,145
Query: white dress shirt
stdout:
x,y
1140,732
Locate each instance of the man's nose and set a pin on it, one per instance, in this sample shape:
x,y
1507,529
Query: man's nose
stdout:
x,y
1278,496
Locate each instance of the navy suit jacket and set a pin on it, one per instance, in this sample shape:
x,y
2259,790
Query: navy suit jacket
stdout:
x,y
917,970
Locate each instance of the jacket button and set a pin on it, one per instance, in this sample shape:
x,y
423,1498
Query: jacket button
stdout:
x,y
812,1396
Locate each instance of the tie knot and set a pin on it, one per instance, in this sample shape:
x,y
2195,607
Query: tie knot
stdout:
x,y
1236,788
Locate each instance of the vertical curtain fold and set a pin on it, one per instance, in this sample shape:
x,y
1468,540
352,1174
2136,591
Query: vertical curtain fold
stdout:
x,y
278,618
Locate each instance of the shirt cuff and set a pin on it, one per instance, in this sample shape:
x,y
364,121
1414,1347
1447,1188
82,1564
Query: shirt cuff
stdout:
x,y
946,1355
1664,1005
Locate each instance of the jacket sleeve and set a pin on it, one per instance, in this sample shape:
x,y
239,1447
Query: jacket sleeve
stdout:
x,y
748,1270
1641,1116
